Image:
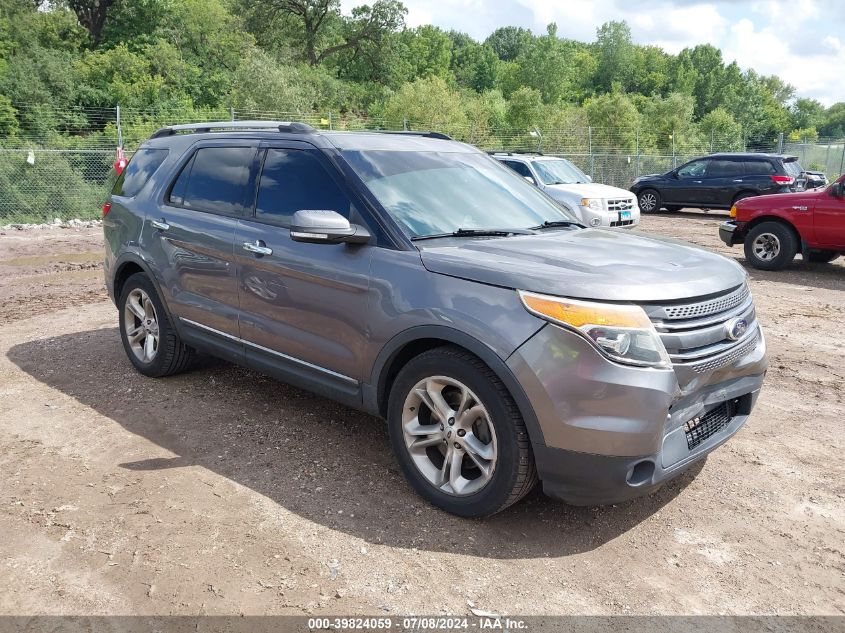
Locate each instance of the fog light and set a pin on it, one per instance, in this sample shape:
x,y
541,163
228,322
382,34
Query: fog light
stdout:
x,y
595,222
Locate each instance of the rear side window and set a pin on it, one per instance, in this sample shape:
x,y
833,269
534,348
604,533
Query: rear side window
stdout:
x,y
214,180
759,168
723,168
293,180
140,169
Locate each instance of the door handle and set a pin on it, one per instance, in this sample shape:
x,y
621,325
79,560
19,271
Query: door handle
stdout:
x,y
698,182
737,180
257,248
160,224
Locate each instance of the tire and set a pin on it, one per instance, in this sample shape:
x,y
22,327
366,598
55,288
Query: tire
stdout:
x,y
445,466
770,246
148,337
821,257
649,201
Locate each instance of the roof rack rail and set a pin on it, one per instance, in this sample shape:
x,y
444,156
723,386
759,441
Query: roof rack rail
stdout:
x,y
513,152
280,126
428,134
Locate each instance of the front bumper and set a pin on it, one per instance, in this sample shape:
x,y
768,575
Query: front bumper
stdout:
x,y
732,232
610,219
612,432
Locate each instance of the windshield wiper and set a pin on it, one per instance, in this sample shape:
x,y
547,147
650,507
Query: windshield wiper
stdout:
x,y
475,233
553,223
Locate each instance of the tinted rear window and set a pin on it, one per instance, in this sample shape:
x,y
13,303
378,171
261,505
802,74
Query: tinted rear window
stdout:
x,y
293,180
793,168
214,180
759,168
140,169
723,168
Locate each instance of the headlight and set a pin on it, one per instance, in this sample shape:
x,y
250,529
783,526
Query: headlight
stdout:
x,y
621,332
592,203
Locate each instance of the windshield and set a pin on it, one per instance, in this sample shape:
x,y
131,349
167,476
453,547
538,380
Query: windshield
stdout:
x,y
559,172
432,193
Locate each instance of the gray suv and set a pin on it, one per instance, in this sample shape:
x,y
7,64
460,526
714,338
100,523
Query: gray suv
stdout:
x,y
418,279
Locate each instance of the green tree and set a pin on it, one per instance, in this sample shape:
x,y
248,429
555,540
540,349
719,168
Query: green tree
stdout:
x,y
833,121
720,131
427,104
806,113
614,120
509,42
616,56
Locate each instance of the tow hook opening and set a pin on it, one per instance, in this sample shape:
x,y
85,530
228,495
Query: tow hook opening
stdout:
x,y
641,473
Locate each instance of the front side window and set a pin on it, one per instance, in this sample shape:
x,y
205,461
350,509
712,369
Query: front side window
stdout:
x,y
293,180
214,180
520,168
559,172
431,193
140,169
693,170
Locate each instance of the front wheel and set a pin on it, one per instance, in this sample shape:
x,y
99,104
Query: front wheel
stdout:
x,y
770,246
458,434
821,256
649,201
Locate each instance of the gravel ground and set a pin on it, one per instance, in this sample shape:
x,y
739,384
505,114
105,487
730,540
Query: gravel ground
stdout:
x,y
221,491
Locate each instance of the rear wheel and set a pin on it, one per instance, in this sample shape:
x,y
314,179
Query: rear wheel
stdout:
x,y
458,434
649,201
150,341
822,257
770,246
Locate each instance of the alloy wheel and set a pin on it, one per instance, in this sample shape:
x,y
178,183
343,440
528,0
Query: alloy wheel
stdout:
x,y
766,246
449,435
648,202
141,323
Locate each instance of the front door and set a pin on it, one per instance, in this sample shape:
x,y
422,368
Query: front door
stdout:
x,y
723,179
302,306
685,187
829,220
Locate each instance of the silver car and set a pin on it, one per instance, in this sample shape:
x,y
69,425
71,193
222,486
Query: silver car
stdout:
x,y
414,278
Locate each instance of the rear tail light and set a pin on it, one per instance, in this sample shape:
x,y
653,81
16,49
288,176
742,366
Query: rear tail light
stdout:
x,y
106,208
783,180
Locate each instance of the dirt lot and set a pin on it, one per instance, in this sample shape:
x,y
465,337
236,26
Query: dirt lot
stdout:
x,y
223,492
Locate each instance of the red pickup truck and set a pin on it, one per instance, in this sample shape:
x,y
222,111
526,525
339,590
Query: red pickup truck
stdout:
x,y
774,228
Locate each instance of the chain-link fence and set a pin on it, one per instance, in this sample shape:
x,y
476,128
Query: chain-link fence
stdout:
x,y
47,173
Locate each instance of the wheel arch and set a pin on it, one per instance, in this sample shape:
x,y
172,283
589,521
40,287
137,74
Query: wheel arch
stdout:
x,y
128,265
414,341
740,194
774,218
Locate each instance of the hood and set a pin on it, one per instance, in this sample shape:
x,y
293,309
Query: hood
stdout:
x,y
589,190
610,265
780,199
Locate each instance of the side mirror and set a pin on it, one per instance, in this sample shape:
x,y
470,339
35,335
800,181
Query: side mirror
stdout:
x,y
530,179
838,190
326,227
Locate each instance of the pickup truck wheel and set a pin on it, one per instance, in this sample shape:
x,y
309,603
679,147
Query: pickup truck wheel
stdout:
x,y
458,435
822,257
649,201
150,341
770,246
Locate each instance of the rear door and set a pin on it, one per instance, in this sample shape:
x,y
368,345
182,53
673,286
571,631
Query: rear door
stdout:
x,y
686,188
191,239
723,180
302,306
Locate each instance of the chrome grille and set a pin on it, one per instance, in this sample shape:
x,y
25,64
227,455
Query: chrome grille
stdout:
x,y
706,308
696,335
620,204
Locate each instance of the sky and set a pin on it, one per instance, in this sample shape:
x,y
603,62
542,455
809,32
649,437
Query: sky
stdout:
x,y
800,41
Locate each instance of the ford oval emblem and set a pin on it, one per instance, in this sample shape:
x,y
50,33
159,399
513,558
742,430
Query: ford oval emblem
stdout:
x,y
735,328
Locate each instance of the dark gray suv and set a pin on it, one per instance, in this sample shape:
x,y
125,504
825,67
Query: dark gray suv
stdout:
x,y
418,279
